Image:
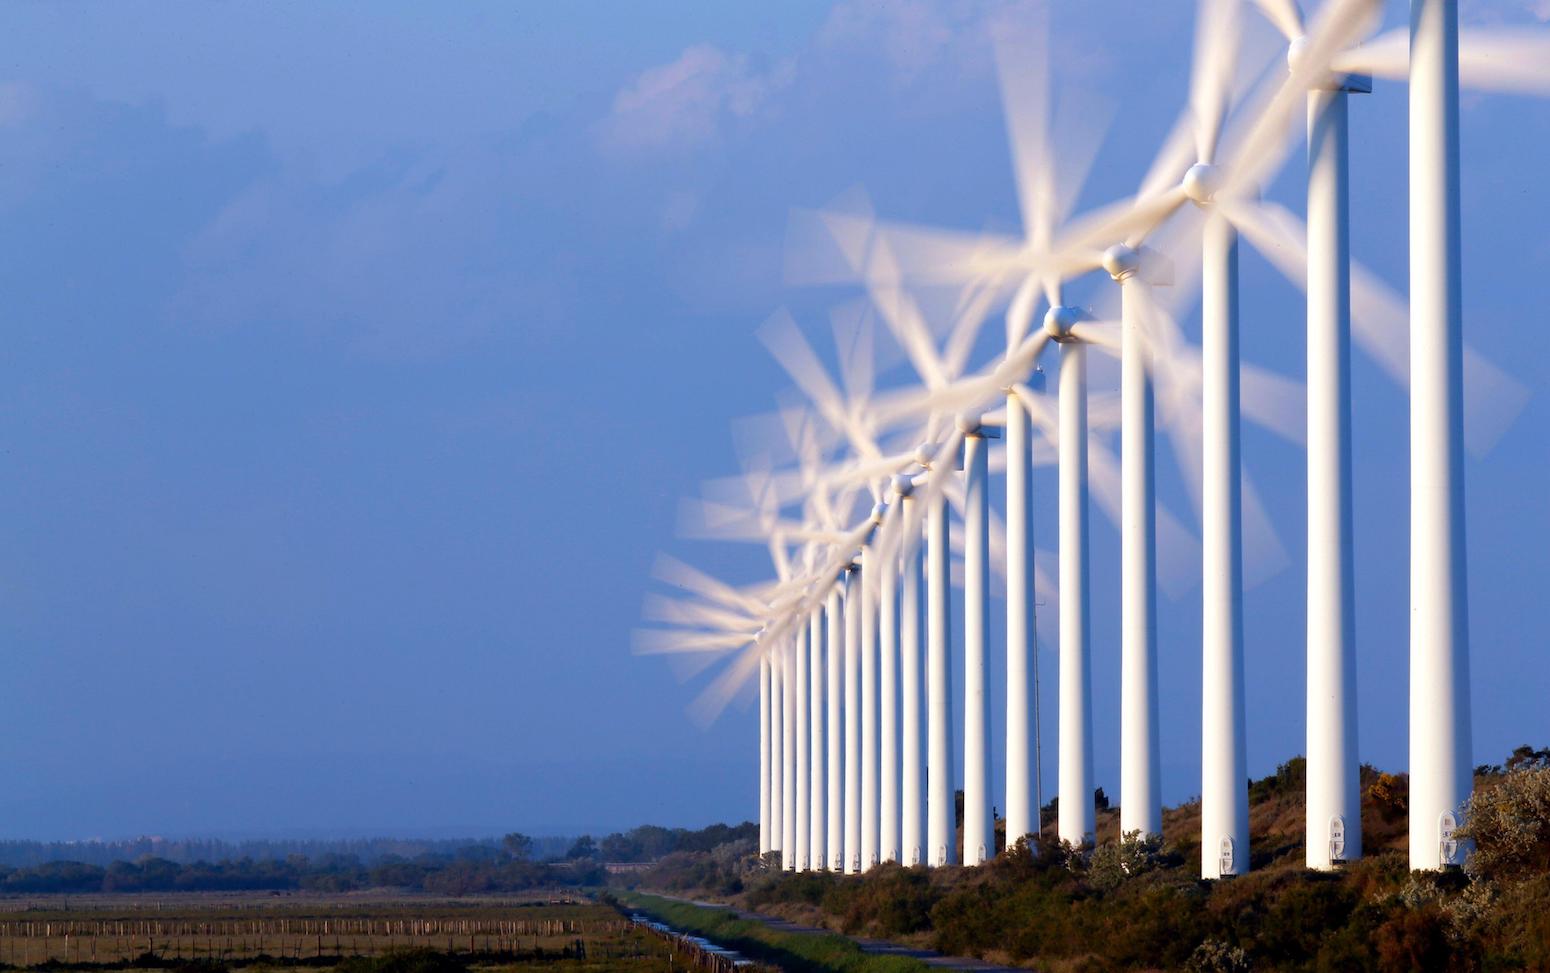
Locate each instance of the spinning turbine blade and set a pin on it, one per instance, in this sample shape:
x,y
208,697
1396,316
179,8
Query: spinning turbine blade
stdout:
x,y
658,608
1178,551
1496,59
1216,56
785,342
672,571
656,641
1285,15
1380,322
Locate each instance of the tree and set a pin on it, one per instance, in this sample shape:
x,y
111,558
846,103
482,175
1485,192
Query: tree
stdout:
x,y
1527,758
584,847
519,846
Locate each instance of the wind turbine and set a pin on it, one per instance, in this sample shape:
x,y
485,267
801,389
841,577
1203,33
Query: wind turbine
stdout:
x,y
1497,59
1436,57
1224,798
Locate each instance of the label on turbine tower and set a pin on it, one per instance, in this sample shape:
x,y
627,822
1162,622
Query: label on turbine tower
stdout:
x,y
1224,866
1447,837
1337,840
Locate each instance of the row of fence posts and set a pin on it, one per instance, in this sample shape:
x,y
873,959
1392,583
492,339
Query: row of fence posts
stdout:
x,y
304,927
27,943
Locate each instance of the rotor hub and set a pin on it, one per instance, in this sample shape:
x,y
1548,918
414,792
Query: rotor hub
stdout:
x,y
902,485
1121,261
878,512
1295,51
1059,320
968,424
924,454
1201,183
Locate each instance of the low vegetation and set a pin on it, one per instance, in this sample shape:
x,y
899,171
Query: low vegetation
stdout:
x,y
792,952
1131,903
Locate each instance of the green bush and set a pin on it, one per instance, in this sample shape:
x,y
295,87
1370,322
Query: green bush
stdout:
x,y
1509,824
1113,862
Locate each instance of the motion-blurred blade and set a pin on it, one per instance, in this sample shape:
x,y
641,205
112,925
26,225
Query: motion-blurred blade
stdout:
x,y
966,328
1103,334
657,641
713,700
779,333
1380,322
1490,59
853,338
672,571
1285,15
1274,401
1215,57
1260,147
1178,550
1022,66
1505,60
1019,314
1264,556
1172,161
672,611
1384,56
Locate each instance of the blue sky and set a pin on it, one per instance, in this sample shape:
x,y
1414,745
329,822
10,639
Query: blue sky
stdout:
x,y
357,356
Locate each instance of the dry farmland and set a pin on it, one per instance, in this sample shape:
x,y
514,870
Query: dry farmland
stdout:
x,y
320,931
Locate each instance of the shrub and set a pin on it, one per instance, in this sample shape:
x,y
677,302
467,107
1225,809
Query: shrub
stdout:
x,y
1509,824
1215,956
1390,793
1115,861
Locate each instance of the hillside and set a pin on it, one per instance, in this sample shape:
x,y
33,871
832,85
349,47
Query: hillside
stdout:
x,y
1136,905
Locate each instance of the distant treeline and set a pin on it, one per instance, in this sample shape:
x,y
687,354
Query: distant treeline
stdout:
x,y
513,863
369,851
649,843
458,876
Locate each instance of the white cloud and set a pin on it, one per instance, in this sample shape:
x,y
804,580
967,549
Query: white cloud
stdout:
x,y
911,34
1496,12
914,37
687,101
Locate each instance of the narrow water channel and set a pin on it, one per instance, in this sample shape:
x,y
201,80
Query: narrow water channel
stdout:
x,y
730,955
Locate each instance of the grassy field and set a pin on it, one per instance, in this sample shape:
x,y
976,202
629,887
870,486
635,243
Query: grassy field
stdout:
x,y
791,951
358,933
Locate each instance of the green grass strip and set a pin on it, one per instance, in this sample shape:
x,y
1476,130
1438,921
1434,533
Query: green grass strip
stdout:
x,y
792,952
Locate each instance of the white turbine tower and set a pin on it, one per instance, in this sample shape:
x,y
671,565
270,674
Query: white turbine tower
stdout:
x,y
777,758
912,684
799,689
764,757
1210,184
1077,822
853,611
1140,749
1441,775
1504,60
818,779
941,811
834,831
889,810
979,837
1333,800
871,813
1436,57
